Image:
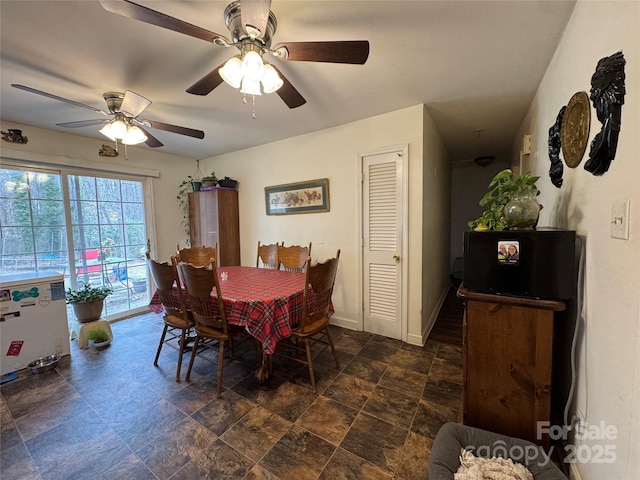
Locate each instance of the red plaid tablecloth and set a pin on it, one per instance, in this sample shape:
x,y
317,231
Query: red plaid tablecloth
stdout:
x,y
266,302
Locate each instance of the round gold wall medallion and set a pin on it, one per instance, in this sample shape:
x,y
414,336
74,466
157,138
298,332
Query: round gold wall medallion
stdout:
x,y
574,133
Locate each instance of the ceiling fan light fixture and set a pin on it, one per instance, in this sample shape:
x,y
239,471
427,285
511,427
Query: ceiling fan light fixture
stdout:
x,y
134,136
271,81
250,87
231,72
115,130
252,66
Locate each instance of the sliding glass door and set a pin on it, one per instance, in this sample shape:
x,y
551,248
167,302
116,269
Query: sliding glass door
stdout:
x,y
90,229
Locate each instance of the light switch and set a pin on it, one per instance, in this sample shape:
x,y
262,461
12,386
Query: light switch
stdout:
x,y
620,220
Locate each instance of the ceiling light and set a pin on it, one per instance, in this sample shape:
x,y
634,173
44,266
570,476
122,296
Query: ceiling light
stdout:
x,y
115,130
121,129
251,87
248,71
134,136
231,72
271,81
252,66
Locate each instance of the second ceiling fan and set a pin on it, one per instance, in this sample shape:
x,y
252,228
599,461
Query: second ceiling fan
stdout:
x,y
251,25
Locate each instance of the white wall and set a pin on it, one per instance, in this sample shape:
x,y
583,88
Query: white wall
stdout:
x,y
332,154
436,220
609,369
58,149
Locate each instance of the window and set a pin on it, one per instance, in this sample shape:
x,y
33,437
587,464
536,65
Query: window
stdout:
x,y
93,231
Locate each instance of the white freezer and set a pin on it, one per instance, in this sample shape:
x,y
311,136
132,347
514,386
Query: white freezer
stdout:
x,y
33,319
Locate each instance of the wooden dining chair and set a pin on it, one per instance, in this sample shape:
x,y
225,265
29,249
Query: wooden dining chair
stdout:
x,y
314,323
198,255
210,320
178,322
267,256
293,258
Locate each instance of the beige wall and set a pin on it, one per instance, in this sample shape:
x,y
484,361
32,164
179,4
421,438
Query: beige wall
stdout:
x,y
609,366
436,220
334,154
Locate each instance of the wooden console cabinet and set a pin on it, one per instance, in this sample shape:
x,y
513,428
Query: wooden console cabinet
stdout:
x,y
507,361
214,218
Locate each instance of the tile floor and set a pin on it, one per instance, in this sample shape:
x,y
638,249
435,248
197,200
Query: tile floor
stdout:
x,y
110,414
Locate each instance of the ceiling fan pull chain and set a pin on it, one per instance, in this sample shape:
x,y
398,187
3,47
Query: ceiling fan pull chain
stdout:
x,y
253,111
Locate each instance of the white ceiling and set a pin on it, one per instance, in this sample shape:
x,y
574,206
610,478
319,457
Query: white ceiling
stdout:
x,y
475,64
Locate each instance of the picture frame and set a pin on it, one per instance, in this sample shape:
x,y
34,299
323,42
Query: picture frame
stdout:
x,y
311,196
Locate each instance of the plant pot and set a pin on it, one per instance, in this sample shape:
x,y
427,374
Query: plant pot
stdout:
x,y
88,311
208,183
99,344
228,183
196,186
521,213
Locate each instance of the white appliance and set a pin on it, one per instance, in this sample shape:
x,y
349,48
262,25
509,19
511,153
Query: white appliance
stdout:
x,y
33,319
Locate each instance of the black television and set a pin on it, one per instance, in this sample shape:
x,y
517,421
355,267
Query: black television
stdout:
x,y
535,263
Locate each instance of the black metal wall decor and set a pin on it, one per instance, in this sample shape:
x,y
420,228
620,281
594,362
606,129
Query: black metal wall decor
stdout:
x,y
14,136
107,151
557,168
607,95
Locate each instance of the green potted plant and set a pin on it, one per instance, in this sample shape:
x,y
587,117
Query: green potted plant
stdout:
x,y
228,182
87,301
99,337
503,188
209,180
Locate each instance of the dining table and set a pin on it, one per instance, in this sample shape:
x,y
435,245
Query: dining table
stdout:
x,y
267,303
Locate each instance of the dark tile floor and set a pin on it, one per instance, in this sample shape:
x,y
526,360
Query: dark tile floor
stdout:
x,y
110,414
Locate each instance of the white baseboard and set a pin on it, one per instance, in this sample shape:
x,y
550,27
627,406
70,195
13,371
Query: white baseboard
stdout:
x,y
344,322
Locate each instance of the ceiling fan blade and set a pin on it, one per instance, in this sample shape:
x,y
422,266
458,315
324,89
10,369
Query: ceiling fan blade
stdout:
x,y
288,93
147,15
348,51
206,84
167,127
56,97
133,104
151,141
83,123
255,14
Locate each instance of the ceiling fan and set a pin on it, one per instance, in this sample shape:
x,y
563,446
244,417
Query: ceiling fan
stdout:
x,y
251,25
123,123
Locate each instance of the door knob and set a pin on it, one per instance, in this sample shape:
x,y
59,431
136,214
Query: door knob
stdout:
x,y
396,257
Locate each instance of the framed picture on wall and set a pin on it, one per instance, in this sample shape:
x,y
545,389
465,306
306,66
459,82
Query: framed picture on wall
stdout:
x,y
311,196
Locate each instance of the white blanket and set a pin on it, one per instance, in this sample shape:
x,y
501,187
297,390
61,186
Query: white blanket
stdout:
x,y
476,468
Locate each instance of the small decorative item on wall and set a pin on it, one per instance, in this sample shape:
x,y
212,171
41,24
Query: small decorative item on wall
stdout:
x,y
557,168
574,132
607,95
303,197
108,151
14,136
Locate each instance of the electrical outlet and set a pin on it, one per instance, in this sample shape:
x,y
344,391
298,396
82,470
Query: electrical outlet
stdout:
x,y
620,220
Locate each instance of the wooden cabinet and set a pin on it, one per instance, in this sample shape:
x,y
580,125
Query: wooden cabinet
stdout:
x,y
214,218
507,361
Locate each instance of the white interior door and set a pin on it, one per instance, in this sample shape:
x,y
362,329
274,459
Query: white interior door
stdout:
x,y
382,222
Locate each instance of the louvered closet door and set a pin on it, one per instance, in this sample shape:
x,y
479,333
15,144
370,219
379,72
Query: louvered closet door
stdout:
x,y
382,234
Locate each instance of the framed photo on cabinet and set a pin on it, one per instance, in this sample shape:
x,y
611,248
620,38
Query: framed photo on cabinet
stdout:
x,y
311,196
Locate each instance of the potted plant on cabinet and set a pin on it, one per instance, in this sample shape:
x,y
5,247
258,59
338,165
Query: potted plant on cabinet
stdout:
x,y
500,214
87,301
209,180
228,182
